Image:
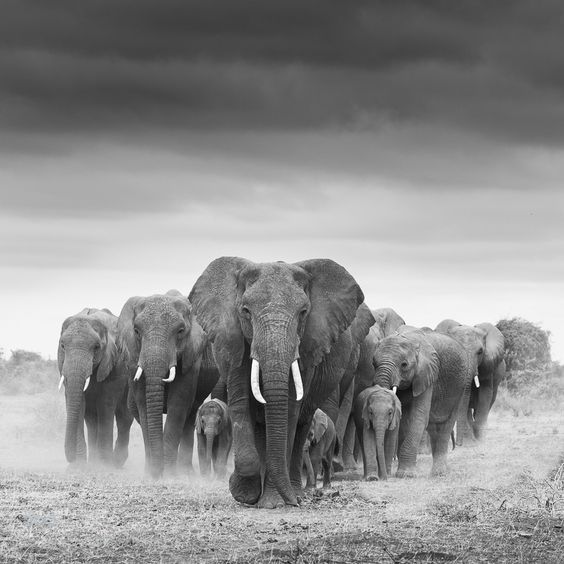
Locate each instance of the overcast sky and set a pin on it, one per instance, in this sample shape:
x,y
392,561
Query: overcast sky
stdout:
x,y
419,144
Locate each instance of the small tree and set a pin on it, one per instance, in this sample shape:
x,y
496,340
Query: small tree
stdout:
x,y
527,346
20,356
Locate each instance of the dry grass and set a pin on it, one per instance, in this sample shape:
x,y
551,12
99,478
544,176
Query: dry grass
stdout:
x,y
503,501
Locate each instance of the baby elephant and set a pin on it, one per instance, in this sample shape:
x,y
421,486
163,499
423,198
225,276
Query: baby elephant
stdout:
x,y
318,449
377,412
213,429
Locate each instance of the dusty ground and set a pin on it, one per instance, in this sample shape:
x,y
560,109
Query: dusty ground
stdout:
x,y
502,501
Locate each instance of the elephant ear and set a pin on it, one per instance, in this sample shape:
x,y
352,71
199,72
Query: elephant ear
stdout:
x,y
396,415
321,422
361,324
213,299
335,298
428,364
387,321
126,342
495,344
107,327
195,345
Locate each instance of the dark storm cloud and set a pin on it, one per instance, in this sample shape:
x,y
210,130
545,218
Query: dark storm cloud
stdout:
x,y
492,67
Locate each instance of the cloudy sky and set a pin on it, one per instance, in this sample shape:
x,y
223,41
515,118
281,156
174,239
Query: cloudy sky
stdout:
x,y
419,144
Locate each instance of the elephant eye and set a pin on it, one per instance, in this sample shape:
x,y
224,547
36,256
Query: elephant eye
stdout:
x,y
404,364
246,313
137,332
62,346
480,350
181,331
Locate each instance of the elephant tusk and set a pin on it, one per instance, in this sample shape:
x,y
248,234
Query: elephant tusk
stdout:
x,y
86,384
138,374
255,387
394,389
297,380
171,375
476,381
61,381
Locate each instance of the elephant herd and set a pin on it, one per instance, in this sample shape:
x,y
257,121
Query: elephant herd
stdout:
x,y
295,362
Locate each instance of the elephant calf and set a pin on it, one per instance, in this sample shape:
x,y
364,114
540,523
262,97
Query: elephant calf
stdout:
x,y
377,412
214,433
319,449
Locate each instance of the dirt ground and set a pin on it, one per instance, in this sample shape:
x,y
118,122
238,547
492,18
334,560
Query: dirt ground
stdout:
x,y
502,501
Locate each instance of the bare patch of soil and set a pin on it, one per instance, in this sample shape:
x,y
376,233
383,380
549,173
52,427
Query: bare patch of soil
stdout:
x,y
502,501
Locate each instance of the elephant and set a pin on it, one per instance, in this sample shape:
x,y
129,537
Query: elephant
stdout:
x,y
377,413
485,346
429,371
95,388
386,321
164,347
319,448
215,436
284,328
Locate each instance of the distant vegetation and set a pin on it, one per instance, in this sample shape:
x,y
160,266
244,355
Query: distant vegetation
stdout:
x,y
27,372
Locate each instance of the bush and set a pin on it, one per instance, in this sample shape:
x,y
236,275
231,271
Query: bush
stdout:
x,y
527,346
27,372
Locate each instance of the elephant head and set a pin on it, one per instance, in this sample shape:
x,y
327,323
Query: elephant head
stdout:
x,y
160,341
86,356
318,427
381,412
212,419
406,360
274,314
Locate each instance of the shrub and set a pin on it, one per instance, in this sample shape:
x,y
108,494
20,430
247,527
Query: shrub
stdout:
x,y
27,373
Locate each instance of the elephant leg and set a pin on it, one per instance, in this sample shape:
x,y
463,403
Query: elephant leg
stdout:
x,y
105,432
245,484
296,459
463,428
343,425
327,463
310,476
202,454
91,420
347,446
414,420
390,448
440,438
368,447
223,448
186,449
124,420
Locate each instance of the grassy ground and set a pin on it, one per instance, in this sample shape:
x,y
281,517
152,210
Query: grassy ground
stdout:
x,y
503,501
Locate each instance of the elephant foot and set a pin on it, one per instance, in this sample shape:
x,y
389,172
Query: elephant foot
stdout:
x,y
245,489
270,499
439,469
405,473
372,478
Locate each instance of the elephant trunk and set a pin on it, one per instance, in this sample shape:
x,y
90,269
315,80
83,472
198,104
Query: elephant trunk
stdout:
x,y
380,430
387,375
155,368
76,369
210,436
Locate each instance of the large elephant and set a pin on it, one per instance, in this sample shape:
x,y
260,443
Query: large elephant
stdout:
x,y
377,414
485,346
163,346
429,371
385,322
95,388
282,331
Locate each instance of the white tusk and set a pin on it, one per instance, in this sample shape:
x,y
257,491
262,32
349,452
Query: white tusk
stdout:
x,y
255,386
476,381
86,383
297,380
171,375
138,374
61,381
394,389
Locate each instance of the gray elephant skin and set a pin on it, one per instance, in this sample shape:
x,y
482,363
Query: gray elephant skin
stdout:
x,y
95,388
485,346
214,436
377,414
430,371
319,448
282,330
164,348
